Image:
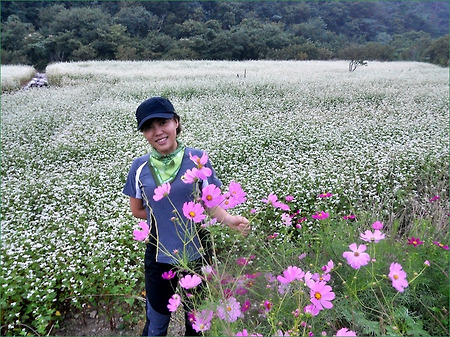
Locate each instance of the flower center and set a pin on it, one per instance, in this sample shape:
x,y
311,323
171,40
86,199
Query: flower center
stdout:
x,y
356,254
192,213
396,277
318,296
228,308
209,197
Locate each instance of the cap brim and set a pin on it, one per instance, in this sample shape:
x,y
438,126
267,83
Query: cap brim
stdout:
x,y
165,115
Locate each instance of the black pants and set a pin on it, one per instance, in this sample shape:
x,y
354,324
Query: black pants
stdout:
x,y
159,291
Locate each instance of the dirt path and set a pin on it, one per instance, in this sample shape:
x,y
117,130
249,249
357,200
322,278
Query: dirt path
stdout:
x,y
94,324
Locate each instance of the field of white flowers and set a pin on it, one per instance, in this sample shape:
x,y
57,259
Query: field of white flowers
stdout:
x,y
14,77
377,138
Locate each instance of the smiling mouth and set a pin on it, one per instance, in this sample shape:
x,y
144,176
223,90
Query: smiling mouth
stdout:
x,y
162,140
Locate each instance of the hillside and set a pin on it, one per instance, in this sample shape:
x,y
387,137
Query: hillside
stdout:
x,y
41,32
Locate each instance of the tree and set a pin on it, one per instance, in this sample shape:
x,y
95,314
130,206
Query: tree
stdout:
x,y
438,53
411,45
82,22
378,51
352,52
137,20
314,29
109,40
15,33
84,53
36,51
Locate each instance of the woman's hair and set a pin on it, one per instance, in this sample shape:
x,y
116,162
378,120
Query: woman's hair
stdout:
x,y
179,128
148,123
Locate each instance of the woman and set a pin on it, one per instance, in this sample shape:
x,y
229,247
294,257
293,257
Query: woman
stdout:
x,y
168,161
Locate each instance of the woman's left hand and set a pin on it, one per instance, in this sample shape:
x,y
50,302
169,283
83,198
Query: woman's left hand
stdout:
x,y
239,223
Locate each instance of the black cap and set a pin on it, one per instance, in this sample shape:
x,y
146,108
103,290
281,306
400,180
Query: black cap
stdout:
x,y
155,107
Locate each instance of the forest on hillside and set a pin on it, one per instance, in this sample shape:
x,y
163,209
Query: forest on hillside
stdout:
x,y
41,32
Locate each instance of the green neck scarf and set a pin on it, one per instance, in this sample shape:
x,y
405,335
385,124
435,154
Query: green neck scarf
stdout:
x,y
164,168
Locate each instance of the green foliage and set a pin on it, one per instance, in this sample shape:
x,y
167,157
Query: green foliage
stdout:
x,y
438,51
308,30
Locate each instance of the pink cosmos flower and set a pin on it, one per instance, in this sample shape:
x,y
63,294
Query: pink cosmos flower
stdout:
x,y
245,306
325,195
311,309
174,303
377,225
302,256
349,217
190,176
190,281
241,291
328,267
440,245
228,201
267,305
194,211
243,261
209,223
208,270
229,310
286,219
235,196
161,191
414,241
245,333
291,274
357,258
237,193
212,196
227,293
272,199
320,215
436,197
345,332
202,172
202,320
289,198
398,277
283,207
369,236
308,279
143,234
321,277
168,275
321,295
273,236
254,275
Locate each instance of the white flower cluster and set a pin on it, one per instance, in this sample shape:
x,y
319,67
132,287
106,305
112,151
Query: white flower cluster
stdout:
x,y
286,127
15,76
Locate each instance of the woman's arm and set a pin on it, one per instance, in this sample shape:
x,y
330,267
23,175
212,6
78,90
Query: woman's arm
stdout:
x,y
138,208
236,222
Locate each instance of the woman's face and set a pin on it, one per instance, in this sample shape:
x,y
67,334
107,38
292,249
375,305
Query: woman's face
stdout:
x,y
161,134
